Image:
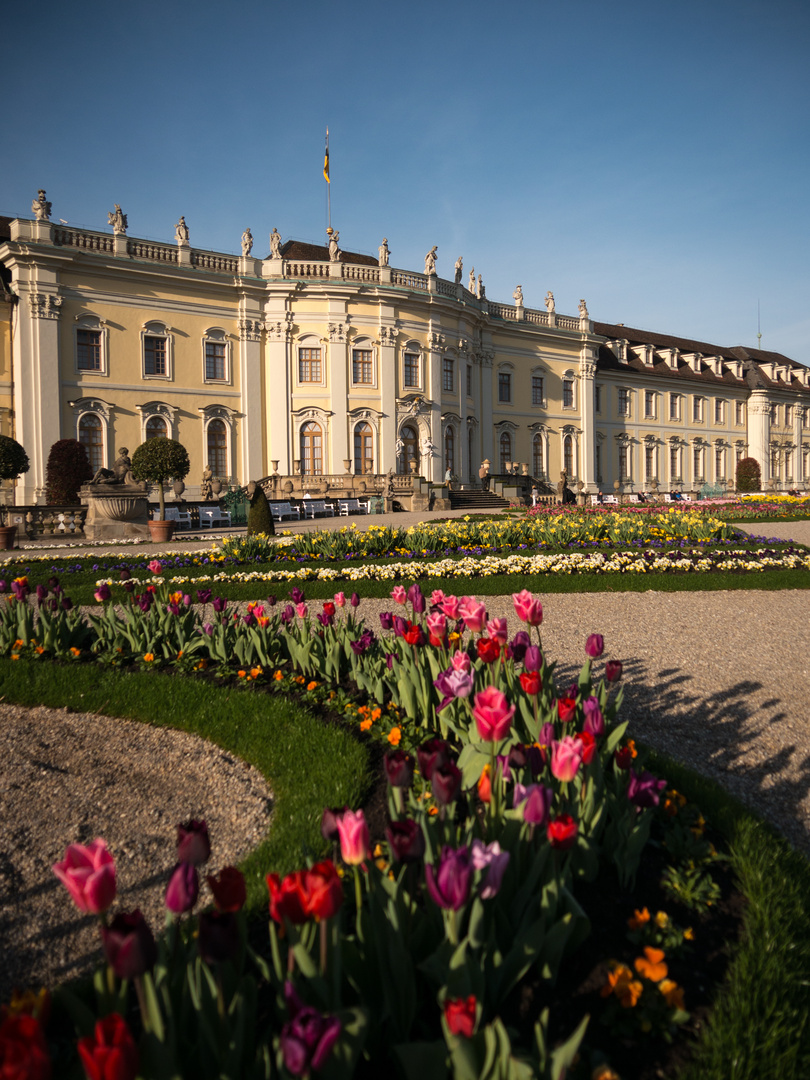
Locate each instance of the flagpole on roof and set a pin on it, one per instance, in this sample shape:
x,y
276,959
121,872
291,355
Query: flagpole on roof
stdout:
x,y
328,185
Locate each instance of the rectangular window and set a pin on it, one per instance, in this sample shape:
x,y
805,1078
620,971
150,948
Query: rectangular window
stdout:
x,y
719,412
649,404
674,464
597,399
697,410
411,369
504,386
674,406
739,412
154,356
788,415
774,414
215,360
697,464
624,462
568,393
447,375
88,350
469,380
719,464
362,366
537,389
309,365
624,402
598,461
788,465
649,463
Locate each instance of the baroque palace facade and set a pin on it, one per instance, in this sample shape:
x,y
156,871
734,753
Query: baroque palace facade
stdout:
x,y
324,362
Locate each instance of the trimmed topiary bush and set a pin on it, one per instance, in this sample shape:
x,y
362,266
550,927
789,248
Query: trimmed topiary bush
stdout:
x,y
68,468
260,519
13,460
160,460
748,474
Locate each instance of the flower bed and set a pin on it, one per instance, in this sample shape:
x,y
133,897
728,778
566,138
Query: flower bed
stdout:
x,y
507,795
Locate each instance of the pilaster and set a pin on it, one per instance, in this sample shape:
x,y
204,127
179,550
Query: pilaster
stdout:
x,y
388,399
251,467
587,371
338,384
277,388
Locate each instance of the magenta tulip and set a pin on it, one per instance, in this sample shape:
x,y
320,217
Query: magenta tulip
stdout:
x,y
594,720
595,646
406,841
613,670
644,790
308,1037
88,874
183,889
534,802
449,881
355,842
461,661
527,608
566,758
450,606
399,594
493,716
473,613
193,842
398,768
437,624
129,946
445,782
497,630
430,755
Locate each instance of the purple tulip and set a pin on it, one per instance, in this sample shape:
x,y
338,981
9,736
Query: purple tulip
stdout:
x,y
386,620
517,757
489,857
535,761
594,720
449,881
129,946
416,599
102,593
2,585
53,583
518,646
398,768
193,842
445,781
67,603
326,620
534,802
208,629
644,790
288,615
173,608
203,596
355,600
218,937
308,1037
547,735
406,841
400,626
389,660
595,646
296,595
613,670
271,600
183,889
220,603
533,660
129,586
430,755
42,592
453,684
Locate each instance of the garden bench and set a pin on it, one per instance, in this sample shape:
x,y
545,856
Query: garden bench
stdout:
x,y
208,518
610,500
351,506
280,510
173,513
317,506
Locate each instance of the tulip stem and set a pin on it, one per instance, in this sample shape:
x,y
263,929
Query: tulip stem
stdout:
x,y
324,929
142,1003
358,893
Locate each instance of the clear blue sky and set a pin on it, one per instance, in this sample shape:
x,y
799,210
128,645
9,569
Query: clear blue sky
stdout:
x,y
651,156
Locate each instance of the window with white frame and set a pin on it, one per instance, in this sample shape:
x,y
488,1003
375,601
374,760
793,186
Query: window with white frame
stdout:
x,y
697,464
650,464
156,428
157,351
774,414
788,464
410,370
469,381
91,436
504,386
697,409
738,455
363,448
448,375
450,449
598,461
788,415
216,355
537,455
649,404
719,411
624,401
568,393
719,463
362,367
674,406
775,464
217,446
624,462
675,464
310,444
505,447
310,365
568,455
739,412
537,390
90,340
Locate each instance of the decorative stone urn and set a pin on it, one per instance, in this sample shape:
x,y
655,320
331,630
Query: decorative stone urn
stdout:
x,y
216,486
347,465
178,487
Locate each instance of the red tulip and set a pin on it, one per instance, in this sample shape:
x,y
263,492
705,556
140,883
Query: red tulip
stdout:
x,y
23,1052
488,649
287,897
228,888
562,832
566,707
323,890
531,681
110,1052
129,945
460,1015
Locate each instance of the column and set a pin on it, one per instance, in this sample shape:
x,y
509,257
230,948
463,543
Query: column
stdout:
x,y
338,387
434,471
587,370
388,394
759,424
252,465
277,392
485,359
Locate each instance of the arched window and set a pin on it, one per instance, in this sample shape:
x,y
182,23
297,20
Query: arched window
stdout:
x,y
537,455
218,449
92,439
156,428
506,450
311,449
568,455
450,450
410,448
363,448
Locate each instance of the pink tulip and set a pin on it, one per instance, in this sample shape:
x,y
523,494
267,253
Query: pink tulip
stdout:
x,y
595,646
527,609
88,874
156,566
460,661
437,624
496,628
436,597
493,716
399,594
473,614
340,599
301,610
355,842
566,758
534,802
450,606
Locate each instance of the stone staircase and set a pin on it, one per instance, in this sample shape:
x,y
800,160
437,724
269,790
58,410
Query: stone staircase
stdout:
x,y
477,501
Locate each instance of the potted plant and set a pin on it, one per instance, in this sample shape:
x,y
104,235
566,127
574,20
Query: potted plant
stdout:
x,y
13,462
158,461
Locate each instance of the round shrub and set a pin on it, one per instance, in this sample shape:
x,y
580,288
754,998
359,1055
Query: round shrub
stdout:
x,y
748,474
68,468
13,459
159,460
260,519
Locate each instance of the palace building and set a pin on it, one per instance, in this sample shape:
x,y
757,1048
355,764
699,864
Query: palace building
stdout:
x,y
318,361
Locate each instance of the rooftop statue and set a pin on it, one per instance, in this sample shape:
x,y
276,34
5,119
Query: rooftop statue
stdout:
x,y
583,310
430,260
41,207
247,243
550,302
471,282
385,252
118,220
517,296
334,250
275,244
181,231
458,269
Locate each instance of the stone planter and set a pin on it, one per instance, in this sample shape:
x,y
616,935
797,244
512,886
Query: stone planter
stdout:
x,y
161,531
178,487
8,534
216,486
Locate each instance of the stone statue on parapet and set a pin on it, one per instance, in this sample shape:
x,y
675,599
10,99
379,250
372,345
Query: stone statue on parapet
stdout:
x,y
583,310
275,244
247,243
181,231
458,268
430,260
471,282
517,296
40,207
550,307
385,252
334,250
118,220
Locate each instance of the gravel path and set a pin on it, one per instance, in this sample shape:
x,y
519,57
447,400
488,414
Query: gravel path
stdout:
x,y
718,680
